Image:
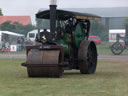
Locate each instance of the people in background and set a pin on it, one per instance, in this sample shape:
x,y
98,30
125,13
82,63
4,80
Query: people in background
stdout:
x,y
20,43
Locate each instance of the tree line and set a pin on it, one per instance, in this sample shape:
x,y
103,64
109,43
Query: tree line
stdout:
x,y
16,27
1,14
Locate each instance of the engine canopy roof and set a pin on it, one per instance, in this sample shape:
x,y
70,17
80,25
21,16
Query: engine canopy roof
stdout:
x,y
65,15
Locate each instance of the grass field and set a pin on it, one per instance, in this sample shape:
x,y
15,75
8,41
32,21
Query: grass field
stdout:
x,y
110,79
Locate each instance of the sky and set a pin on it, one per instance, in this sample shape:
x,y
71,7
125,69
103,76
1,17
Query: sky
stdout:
x,y
30,7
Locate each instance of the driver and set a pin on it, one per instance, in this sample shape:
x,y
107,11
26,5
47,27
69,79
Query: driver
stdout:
x,y
60,32
69,27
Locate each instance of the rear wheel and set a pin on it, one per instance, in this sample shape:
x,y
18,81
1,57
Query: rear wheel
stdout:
x,y
117,48
88,57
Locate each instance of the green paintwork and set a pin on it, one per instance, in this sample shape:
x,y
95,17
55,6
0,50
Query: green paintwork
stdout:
x,y
65,42
79,36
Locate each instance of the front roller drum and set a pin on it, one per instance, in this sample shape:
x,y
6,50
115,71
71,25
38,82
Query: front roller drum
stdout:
x,y
43,63
44,71
88,57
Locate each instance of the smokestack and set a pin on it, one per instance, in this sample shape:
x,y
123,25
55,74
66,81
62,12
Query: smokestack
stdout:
x,y
53,17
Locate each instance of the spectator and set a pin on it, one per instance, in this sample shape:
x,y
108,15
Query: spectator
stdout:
x,y
18,43
22,43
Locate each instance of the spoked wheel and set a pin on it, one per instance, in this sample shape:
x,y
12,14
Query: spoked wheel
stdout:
x,y
117,48
88,57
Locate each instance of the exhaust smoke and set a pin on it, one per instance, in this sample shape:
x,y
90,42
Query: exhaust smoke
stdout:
x,y
53,2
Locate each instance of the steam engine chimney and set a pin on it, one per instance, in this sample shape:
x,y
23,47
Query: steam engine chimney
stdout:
x,y
53,17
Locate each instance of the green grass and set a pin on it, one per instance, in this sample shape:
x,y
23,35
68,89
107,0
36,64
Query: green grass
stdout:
x,y
110,79
17,52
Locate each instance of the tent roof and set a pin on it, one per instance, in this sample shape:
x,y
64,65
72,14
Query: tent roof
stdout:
x,y
11,33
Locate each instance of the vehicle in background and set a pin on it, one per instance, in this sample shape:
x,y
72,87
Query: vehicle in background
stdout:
x,y
113,33
31,36
121,42
95,39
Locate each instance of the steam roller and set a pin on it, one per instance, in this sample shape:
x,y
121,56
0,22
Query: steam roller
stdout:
x,y
65,47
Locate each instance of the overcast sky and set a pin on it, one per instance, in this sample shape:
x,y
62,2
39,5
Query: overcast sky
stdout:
x,y
30,7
